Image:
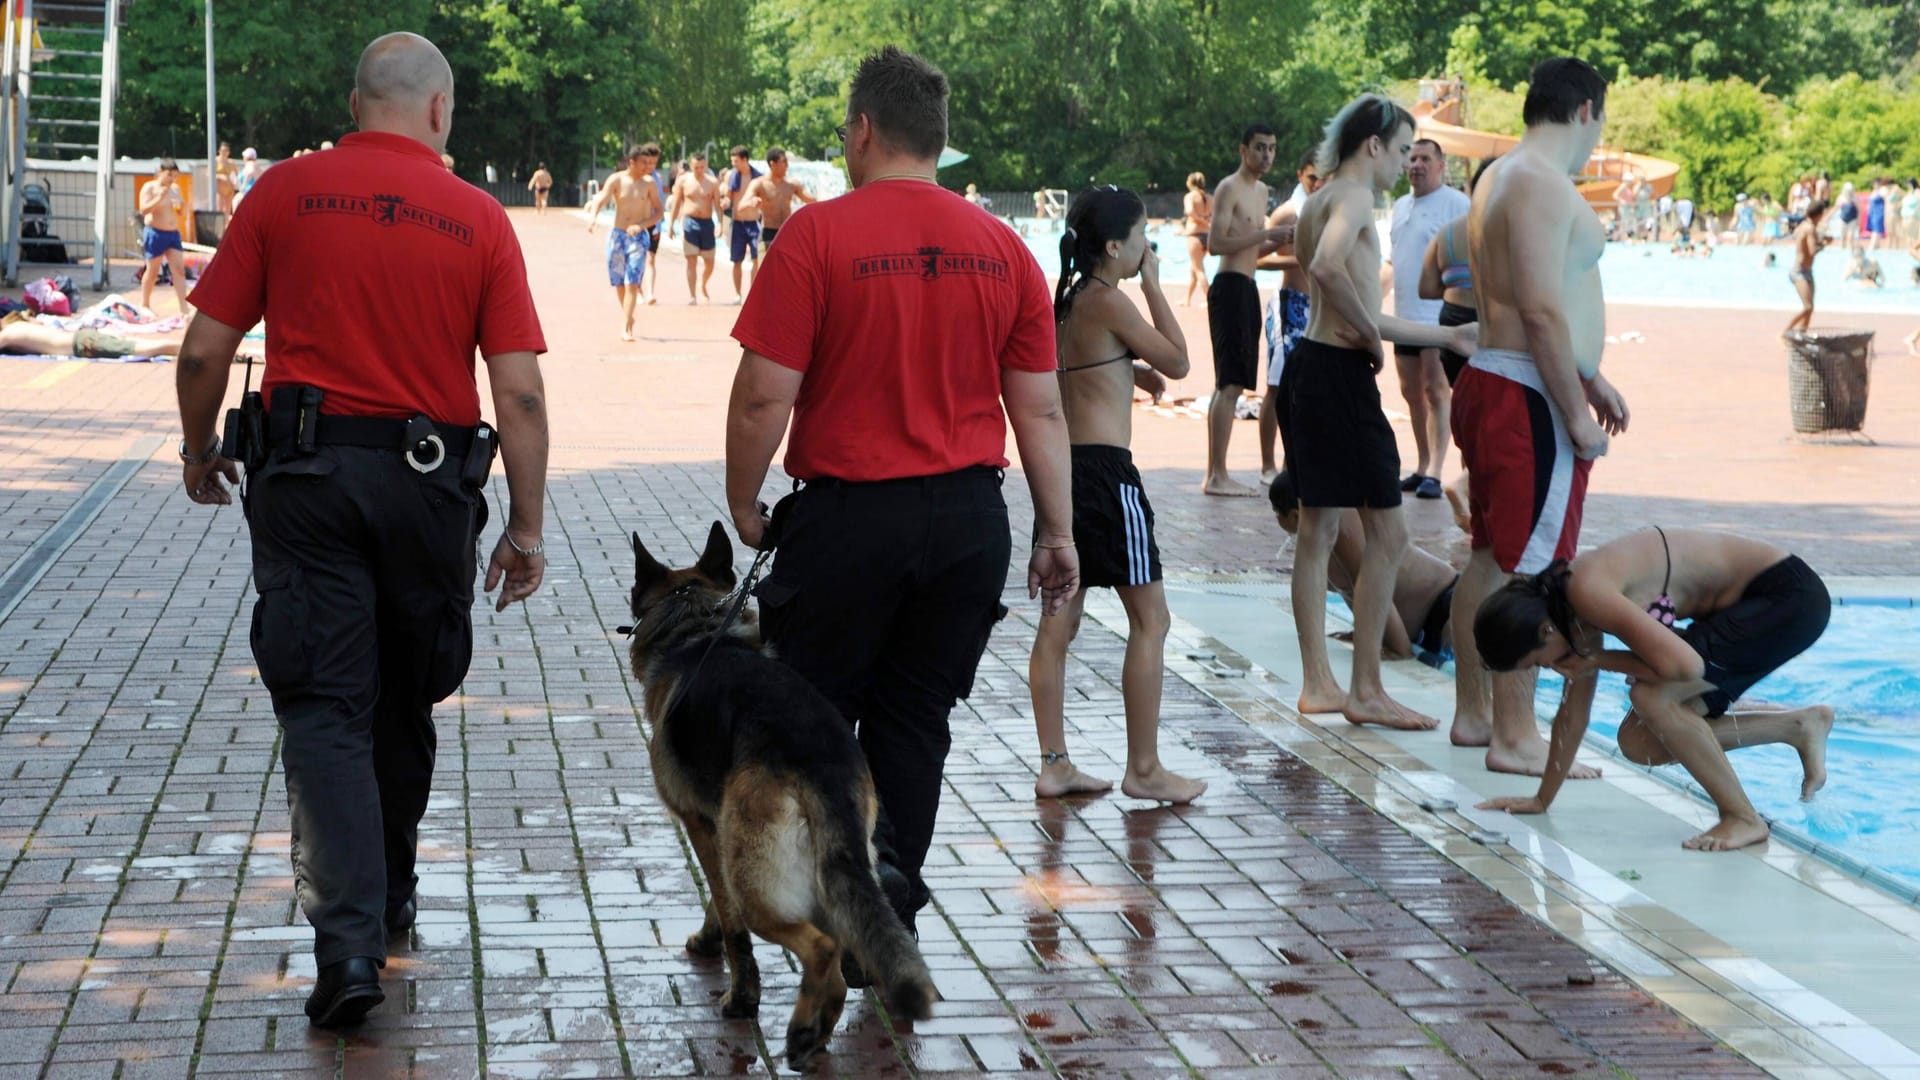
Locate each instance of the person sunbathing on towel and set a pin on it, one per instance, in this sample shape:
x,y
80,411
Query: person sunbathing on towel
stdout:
x,y
21,336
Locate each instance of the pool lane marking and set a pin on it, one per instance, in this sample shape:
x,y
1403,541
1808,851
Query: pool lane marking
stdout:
x,y
33,564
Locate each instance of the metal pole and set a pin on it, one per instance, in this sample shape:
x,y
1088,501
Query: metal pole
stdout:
x,y
103,176
213,134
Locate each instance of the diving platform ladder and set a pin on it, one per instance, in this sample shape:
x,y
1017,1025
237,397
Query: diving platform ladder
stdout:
x,y
61,73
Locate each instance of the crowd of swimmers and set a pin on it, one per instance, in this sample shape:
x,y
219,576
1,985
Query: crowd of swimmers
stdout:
x,y
1507,347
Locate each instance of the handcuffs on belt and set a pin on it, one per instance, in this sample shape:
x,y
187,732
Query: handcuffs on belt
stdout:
x,y
421,439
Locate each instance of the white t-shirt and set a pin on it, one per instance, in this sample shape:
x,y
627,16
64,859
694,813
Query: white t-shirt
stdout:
x,y
1416,221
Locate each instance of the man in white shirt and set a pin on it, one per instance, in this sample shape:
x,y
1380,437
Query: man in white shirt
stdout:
x,y
1418,217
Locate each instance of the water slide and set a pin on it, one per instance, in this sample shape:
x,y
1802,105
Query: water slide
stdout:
x,y
1439,113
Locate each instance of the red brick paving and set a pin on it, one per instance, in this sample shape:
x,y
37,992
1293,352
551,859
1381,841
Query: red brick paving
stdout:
x,y
1277,929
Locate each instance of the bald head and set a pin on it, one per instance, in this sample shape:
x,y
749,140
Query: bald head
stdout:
x,y
404,85
401,69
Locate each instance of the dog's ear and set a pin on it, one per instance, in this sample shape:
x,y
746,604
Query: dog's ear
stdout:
x,y
646,568
716,563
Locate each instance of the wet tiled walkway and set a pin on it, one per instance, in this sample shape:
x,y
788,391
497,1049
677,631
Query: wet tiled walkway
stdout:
x,y
1277,929
147,923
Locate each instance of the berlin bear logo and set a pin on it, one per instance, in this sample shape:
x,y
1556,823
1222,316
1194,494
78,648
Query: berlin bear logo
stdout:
x,y
386,209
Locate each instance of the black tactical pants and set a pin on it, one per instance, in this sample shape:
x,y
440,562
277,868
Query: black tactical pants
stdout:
x,y
883,596
364,569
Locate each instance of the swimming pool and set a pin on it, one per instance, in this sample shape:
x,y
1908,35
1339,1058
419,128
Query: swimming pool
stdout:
x,y
1645,274
1865,668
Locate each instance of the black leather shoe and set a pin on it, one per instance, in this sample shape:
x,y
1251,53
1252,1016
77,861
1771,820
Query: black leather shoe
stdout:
x,y
400,919
345,992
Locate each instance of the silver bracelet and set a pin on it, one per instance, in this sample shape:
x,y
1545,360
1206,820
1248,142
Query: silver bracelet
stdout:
x,y
539,547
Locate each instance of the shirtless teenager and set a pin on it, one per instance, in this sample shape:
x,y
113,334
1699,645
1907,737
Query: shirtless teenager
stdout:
x,y
773,195
1239,235
1808,240
743,237
694,195
161,206
636,209
1286,320
225,177
1419,623
1101,339
1534,245
540,184
1197,207
1753,607
1341,451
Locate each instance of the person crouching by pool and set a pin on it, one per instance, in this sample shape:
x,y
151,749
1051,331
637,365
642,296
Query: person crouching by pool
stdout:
x,y
1754,607
1101,335
1418,624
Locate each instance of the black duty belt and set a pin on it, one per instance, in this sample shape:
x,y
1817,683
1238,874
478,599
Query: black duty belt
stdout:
x,y
377,433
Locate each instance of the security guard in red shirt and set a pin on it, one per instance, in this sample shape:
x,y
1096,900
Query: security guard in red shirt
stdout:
x,y
902,330
379,274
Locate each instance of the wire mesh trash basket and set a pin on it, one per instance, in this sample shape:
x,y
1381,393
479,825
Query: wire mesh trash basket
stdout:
x,y
1827,379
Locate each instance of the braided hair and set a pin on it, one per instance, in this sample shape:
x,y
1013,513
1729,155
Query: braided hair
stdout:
x,y
1507,627
1098,216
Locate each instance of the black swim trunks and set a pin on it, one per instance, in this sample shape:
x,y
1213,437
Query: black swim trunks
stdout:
x,y
1783,611
1112,521
1233,318
1452,314
1340,448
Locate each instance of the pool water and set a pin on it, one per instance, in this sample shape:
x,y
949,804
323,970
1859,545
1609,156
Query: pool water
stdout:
x,y
1865,668
1641,274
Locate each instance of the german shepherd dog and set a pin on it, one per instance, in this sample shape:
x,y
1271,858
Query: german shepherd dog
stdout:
x,y
766,777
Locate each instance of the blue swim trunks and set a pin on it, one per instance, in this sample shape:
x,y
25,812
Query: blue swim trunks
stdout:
x,y
1286,325
699,233
155,242
626,257
745,238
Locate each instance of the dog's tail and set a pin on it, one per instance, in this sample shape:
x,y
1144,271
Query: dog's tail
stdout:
x,y
856,911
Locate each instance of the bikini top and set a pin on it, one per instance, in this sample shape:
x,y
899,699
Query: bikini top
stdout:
x,y
1458,273
1663,607
1099,363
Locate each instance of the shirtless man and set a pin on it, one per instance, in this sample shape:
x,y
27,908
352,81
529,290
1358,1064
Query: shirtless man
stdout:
x,y
1535,247
1286,320
1808,240
1341,451
161,205
540,184
772,196
694,195
743,239
225,177
1238,235
1418,625
636,208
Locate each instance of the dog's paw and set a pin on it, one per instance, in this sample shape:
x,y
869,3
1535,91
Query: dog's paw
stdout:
x,y
804,1042
739,1004
912,999
705,942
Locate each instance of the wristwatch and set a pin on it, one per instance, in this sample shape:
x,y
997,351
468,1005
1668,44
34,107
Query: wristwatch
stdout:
x,y
201,459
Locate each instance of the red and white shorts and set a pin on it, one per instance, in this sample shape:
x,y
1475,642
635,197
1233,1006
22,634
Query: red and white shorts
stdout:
x,y
1527,487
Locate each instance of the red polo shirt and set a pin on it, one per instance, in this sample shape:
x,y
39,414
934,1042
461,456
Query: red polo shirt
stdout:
x,y
900,303
379,273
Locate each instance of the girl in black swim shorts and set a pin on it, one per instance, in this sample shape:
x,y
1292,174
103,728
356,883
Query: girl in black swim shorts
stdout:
x,y
1753,608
